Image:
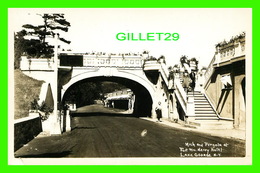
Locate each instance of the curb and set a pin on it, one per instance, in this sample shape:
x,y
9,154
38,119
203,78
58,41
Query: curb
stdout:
x,y
234,133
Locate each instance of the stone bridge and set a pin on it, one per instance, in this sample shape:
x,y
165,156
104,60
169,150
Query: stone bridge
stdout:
x,y
146,77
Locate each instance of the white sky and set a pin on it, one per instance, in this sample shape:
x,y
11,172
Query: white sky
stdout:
x,y
95,29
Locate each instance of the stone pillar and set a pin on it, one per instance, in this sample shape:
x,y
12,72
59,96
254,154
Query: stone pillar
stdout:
x,y
68,126
153,114
55,124
174,109
62,121
239,104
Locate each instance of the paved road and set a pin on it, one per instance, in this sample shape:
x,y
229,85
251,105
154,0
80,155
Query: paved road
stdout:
x,y
123,136
99,108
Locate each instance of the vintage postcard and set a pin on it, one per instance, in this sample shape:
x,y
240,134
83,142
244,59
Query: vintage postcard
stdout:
x,y
130,86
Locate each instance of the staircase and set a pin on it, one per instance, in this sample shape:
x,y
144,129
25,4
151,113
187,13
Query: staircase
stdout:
x,y
203,109
205,117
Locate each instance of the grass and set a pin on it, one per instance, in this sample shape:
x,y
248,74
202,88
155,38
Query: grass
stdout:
x,y
26,89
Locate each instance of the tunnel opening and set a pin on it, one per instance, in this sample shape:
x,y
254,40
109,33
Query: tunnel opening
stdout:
x,y
142,104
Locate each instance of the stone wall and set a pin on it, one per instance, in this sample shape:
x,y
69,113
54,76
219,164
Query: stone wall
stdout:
x,y
230,103
25,129
222,99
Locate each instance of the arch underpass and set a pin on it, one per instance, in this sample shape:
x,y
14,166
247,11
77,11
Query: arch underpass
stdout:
x,y
143,99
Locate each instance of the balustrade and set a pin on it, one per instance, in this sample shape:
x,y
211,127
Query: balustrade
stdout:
x,y
135,62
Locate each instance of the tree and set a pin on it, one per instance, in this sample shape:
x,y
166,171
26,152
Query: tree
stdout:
x,y
19,47
38,47
52,22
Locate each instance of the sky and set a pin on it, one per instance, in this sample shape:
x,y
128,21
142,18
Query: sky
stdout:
x,y
95,29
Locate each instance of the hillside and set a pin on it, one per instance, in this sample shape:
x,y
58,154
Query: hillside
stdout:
x,y
26,89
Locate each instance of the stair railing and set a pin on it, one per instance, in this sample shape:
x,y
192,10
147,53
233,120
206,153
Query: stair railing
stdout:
x,y
164,73
210,70
221,118
181,94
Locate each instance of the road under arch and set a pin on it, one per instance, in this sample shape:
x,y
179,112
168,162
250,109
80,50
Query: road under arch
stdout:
x,y
143,99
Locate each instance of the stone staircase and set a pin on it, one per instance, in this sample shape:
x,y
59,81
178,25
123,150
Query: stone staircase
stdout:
x,y
205,117
203,109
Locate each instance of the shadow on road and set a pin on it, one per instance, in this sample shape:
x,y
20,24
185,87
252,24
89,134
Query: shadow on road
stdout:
x,y
107,135
84,128
78,125
46,155
86,114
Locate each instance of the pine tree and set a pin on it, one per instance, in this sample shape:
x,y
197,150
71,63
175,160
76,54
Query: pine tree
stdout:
x,y
38,47
52,22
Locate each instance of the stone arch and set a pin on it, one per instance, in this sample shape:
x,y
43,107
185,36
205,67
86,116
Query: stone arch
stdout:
x,y
124,76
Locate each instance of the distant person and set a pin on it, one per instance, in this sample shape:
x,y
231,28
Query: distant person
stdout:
x,y
193,81
186,81
113,104
158,111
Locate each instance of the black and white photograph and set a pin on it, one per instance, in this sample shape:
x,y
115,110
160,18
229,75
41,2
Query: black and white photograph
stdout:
x,y
130,86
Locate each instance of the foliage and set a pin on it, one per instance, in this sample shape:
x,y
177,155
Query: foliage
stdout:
x,y
184,59
31,41
52,22
19,48
162,57
43,108
33,47
151,58
108,87
145,52
46,110
35,105
174,69
85,93
26,89
232,40
195,60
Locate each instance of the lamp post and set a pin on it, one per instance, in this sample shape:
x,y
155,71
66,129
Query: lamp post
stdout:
x,y
56,119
